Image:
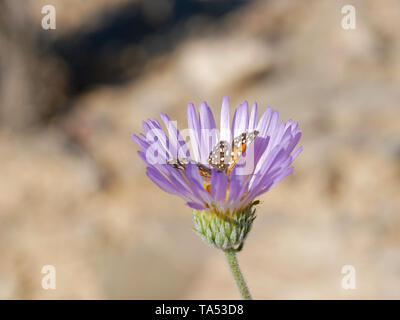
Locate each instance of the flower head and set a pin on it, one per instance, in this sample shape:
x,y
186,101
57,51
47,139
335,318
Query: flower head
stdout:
x,y
222,171
192,176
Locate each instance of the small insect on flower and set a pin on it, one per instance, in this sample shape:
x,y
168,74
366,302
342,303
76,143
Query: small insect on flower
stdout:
x,y
181,165
224,159
221,157
223,172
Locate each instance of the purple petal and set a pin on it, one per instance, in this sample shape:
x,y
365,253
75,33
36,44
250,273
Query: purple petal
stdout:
x,y
283,174
219,184
236,187
196,205
263,124
259,192
173,137
158,142
275,132
143,156
176,179
292,144
260,145
272,127
208,131
264,164
196,183
273,181
264,182
160,180
142,144
177,144
194,131
249,161
225,127
253,117
297,152
240,119
146,126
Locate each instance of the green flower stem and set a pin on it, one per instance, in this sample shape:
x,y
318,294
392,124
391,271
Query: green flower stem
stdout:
x,y
230,255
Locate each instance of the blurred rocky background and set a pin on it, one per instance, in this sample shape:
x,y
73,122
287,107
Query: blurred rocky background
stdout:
x,y
73,192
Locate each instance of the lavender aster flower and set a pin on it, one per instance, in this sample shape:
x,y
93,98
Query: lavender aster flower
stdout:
x,y
223,193
222,172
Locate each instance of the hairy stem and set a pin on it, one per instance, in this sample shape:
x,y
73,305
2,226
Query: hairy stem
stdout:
x,y
237,274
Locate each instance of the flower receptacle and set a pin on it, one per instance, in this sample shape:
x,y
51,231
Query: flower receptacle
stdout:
x,y
224,232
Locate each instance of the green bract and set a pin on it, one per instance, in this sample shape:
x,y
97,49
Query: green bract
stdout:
x,y
224,232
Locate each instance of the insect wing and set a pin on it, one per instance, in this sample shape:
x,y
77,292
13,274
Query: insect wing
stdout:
x,y
220,156
181,163
239,146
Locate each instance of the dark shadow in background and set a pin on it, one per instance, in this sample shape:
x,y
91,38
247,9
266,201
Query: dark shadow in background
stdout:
x,y
147,28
